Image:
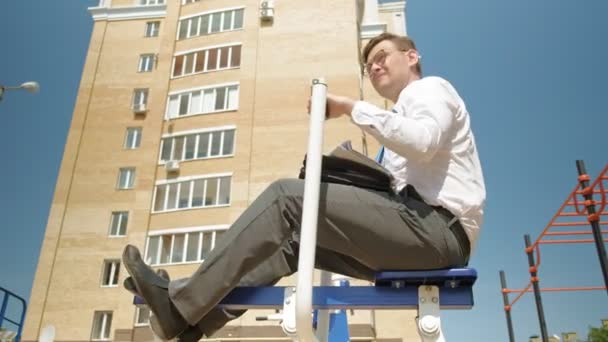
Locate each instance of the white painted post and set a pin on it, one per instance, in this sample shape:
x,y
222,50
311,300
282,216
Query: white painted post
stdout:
x,y
308,239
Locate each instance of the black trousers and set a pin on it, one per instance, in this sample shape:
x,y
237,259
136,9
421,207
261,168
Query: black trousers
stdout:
x,y
360,232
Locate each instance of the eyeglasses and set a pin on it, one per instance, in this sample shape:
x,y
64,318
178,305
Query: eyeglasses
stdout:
x,y
378,59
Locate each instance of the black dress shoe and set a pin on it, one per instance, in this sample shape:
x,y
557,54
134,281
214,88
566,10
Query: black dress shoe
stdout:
x,y
167,322
192,334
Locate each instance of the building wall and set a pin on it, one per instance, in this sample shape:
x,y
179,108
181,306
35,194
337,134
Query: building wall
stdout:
x,y
278,61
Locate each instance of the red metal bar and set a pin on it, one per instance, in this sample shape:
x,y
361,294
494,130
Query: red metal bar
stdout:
x,y
527,289
552,221
585,232
557,289
580,192
573,224
566,241
584,214
575,214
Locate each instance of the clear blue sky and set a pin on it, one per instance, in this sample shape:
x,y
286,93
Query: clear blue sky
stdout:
x,y
533,74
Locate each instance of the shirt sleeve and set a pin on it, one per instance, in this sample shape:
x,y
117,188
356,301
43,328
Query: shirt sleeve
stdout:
x,y
419,127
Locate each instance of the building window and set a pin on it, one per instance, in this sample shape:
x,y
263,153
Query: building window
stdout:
x,y
185,2
220,21
111,268
140,99
186,247
152,28
118,226
151,2
195,193
126,178
220,58
132,138
102,325
204,101
203,145
146,62
142,316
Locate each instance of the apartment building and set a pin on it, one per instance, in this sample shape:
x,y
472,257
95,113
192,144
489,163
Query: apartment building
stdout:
x,y
186,111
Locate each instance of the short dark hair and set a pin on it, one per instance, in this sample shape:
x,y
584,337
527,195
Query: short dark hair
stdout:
x,y
402,42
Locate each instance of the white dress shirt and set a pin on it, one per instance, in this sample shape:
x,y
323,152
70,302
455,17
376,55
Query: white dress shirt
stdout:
x,y
429,144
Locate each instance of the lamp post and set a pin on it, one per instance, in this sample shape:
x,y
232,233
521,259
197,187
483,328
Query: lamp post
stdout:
x,y
32,87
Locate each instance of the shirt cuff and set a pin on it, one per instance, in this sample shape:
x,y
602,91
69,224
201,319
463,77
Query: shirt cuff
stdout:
x,y
360,114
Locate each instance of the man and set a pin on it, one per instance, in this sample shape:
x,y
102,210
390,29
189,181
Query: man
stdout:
x,y
429,219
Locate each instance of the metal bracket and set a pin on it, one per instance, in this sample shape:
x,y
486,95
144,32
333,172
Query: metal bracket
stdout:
x,y
289,313
429,321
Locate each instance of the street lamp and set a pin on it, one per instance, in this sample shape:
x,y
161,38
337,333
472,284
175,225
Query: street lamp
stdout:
x,y
32,87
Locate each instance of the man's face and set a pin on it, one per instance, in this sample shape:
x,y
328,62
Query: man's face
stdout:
x,y
388,68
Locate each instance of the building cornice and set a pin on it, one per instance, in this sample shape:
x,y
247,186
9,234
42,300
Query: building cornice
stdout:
x,y
128,13
370,30
397,6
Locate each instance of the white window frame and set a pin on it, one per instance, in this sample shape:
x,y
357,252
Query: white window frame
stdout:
x,y
135,134
161,234
201,31
186,2
146,62
150,2
140,96
138,313
152,29
187,54
196,133
202,90
114,270
104,316
189,180
130,178
118,217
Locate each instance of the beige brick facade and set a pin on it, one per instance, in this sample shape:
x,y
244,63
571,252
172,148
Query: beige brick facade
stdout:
x,y
278,60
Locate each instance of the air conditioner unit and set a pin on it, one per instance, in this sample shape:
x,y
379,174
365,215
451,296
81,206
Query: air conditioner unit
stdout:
x,y
267,14
172,166
267,10
139,108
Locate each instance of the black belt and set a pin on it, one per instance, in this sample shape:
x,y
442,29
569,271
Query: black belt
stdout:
x,y
455,226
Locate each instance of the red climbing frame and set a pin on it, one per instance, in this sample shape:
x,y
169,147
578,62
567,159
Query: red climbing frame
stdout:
x,y
584,207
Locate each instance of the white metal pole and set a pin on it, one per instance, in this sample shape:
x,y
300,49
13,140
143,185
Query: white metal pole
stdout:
x,y
308,239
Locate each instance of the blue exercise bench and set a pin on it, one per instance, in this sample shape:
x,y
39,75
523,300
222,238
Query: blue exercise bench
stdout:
x,y
426,291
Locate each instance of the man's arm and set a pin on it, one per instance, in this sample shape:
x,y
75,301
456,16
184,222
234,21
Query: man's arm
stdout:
x,y
416,137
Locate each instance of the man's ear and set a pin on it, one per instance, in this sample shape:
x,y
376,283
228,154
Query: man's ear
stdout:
x,y
413,57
